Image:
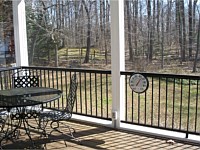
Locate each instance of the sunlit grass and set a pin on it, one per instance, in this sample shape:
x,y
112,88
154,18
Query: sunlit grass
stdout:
x,y
72,53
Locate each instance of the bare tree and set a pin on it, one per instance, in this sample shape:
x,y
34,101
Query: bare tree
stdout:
x,y
150,32
182,19
129,31
88,10
162,37
197,49
136,26
106,31
190,27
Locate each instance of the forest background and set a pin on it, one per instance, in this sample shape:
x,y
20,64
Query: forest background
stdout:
x,y
160,35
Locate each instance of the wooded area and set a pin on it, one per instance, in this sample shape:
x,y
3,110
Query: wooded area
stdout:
x,y
7,47
157,32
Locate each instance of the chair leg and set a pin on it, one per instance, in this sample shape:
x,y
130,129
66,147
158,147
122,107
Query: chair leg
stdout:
x,y
57,128
42,126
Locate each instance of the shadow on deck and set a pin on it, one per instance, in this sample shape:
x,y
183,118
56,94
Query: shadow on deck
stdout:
x,y
97,137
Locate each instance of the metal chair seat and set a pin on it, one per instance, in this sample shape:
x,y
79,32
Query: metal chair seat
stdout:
x,y
25,112
54,115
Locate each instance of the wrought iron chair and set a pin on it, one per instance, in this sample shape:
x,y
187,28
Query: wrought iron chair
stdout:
x,y
55,116
24,78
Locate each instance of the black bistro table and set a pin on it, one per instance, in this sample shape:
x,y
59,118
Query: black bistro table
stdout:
x,y
21,104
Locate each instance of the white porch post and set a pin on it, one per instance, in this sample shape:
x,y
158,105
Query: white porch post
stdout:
x,y
19,23
117,60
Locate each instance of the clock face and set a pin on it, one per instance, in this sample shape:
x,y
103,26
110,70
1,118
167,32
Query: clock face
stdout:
x,y
138,83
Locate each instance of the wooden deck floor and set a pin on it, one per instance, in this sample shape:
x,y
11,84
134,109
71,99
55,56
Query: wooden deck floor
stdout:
x,y
97,137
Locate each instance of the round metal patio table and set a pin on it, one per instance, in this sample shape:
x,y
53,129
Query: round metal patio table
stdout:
x,y
17,104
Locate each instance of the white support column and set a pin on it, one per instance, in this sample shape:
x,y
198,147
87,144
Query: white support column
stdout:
x,y
19,23
117,60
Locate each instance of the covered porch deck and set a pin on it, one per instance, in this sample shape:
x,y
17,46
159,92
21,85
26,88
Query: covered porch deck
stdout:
x,y
93,136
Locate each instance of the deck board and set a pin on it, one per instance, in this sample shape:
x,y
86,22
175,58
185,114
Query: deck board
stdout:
x,y
97,137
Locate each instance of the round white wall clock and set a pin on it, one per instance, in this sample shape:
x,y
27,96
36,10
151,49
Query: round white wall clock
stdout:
x,y
138,83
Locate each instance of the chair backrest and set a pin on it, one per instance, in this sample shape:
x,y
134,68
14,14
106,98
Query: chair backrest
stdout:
x,y
71,97
25,78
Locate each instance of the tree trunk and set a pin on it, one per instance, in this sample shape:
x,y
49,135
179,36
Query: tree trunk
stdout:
x,y
158,22
96,24
56,55
194,21
197,50
162,37
179,26
152,31
101,25
32,49
183,30
87,55
150,34
104,31
141,28
190,28
193,16
168,22
63,22
129,31
135,27
76,22
107,37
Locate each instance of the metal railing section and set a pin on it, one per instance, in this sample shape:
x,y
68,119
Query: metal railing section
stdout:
x,y
171,102
93,93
